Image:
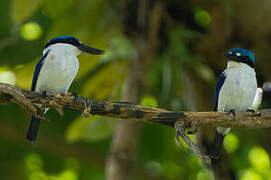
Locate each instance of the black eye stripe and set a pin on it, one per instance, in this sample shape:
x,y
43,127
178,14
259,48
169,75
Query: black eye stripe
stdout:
x,y
246,60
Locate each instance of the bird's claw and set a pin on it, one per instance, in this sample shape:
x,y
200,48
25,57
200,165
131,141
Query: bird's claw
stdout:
x,y
75,95
44,93
232,112
253,112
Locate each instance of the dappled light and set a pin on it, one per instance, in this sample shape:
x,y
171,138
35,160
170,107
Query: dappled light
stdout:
x,y
153,168
259,159
160,54
24,74
172,170
202,17
204,175
35,171
7,76
33,162
149,101
231,143
31,31
93,128
250,174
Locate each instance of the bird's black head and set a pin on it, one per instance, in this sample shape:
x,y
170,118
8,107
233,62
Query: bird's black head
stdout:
x,y
75,42
241,55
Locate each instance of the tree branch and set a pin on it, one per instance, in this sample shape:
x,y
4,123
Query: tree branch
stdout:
x,y
29,101
35,104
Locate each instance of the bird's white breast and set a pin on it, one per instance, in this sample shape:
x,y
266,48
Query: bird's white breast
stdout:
x,y
58,71
239,88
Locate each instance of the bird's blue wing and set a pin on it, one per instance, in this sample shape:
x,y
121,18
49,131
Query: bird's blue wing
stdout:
x,y
37,71
218,87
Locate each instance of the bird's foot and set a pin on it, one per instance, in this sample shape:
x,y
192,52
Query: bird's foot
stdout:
x,y
251,110
44,93
254,113
232,112
75,95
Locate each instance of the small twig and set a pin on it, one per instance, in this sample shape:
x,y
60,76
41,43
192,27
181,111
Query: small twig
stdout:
x,y
8,92
180,131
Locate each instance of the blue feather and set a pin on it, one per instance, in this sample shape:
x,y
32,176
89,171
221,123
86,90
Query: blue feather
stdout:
x,y
37,71
243,52
63,37
218,87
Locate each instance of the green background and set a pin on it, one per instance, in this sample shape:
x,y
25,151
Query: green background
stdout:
x,y
183,44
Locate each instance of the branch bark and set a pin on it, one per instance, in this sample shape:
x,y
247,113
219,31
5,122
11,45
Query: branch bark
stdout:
x,y
34,103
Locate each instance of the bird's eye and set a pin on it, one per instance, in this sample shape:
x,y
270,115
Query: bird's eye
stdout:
x,y
238,54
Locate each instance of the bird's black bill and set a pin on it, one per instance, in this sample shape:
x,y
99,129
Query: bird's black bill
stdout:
x,y
90,50
232,57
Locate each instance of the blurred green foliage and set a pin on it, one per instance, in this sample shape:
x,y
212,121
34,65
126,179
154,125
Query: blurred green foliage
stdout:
x,y
182,77
31,31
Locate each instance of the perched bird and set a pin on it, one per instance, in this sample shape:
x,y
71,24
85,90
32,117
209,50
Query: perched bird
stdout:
x,y
56,70
235,90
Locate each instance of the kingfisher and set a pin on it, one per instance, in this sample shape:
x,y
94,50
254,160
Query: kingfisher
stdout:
x,y
56,70
235,90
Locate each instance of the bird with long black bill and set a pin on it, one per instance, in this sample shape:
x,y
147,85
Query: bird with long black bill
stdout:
x,y
235,90
56,70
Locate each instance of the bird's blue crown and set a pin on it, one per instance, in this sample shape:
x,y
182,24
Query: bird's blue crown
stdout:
x,y
64,39
241,56
75,42
242,53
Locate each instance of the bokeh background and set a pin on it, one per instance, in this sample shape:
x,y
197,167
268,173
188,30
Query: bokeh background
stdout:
x,y
159,53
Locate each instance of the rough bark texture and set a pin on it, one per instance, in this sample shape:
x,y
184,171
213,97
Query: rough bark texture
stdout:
x,y
122,152
127,110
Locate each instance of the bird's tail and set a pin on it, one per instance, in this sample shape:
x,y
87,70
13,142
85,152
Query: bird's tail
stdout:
x,y
33,129
216,147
